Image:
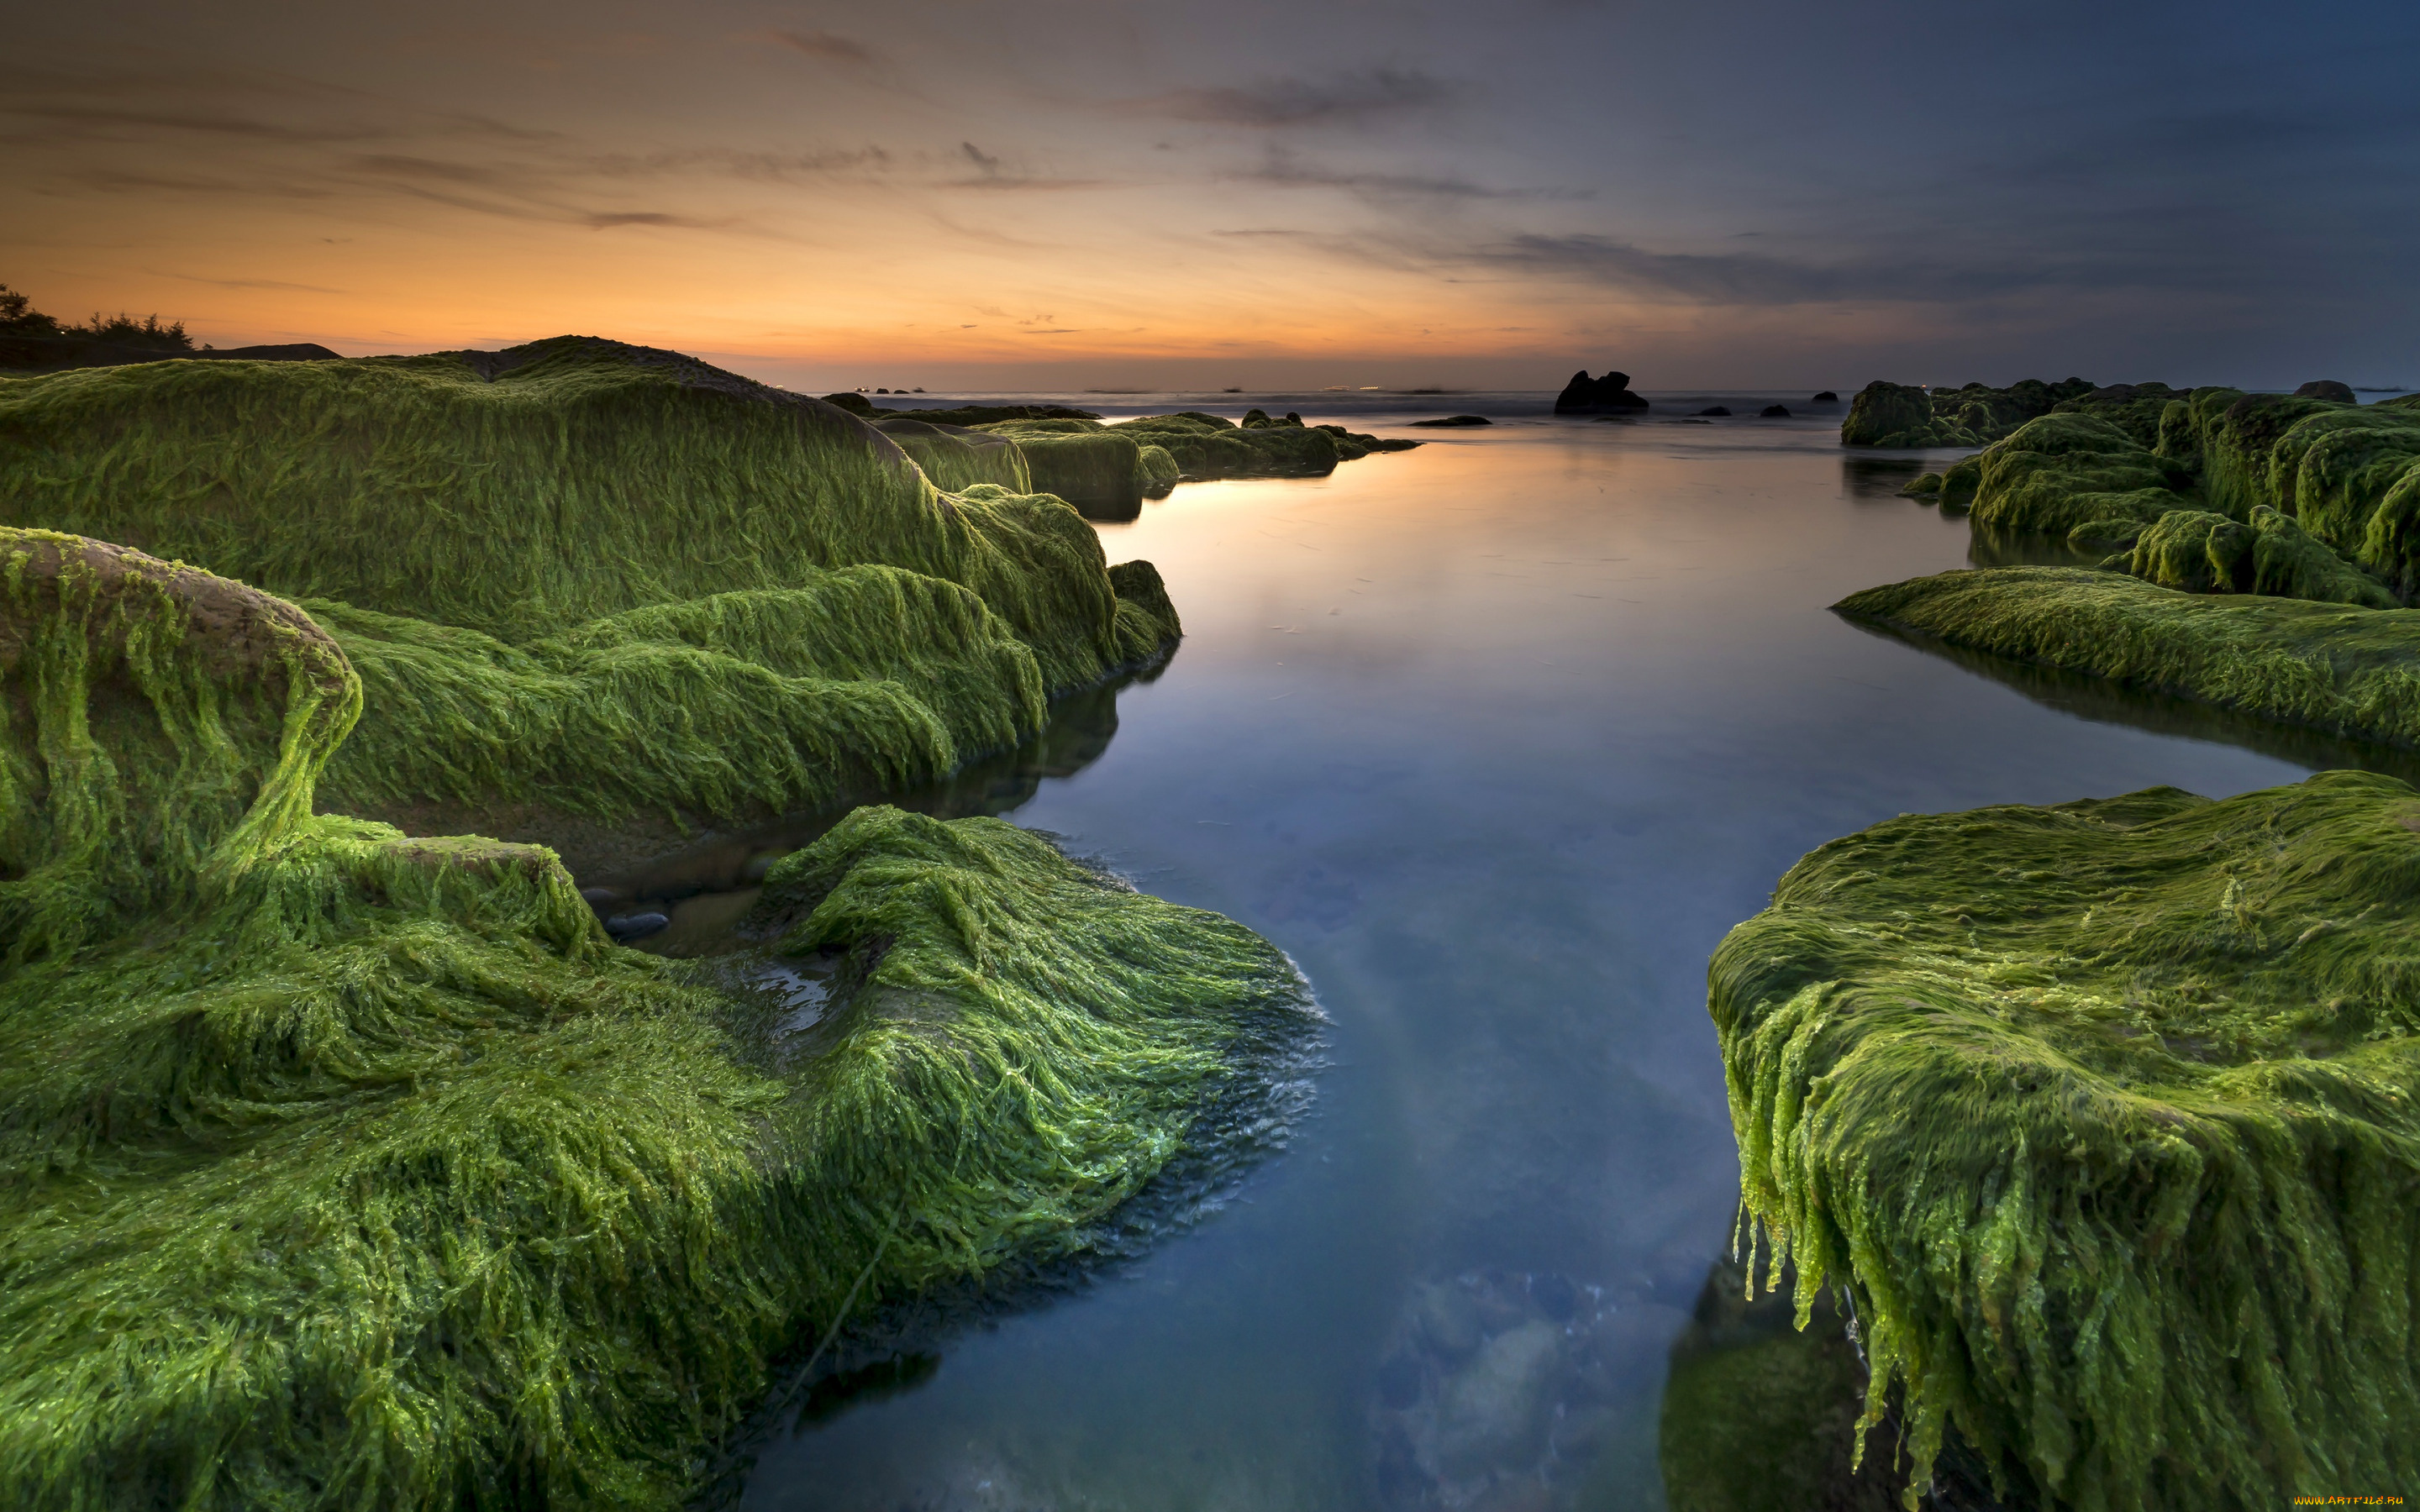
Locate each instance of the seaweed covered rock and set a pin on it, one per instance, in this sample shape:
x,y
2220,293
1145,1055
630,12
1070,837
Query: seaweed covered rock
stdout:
x,y
611,574
2349,474
1897,415
1205,446
2200,552
2100,1114
1096,468
959,456
2334,667
1609,394
1159,470
339,1167
2061,471
2328,389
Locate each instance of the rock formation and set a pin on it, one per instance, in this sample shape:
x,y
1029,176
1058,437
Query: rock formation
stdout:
x,y
1585,396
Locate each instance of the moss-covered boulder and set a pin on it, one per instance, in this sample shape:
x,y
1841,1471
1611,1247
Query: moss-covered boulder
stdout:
x,y
2336,668
342,1168
1897,415
1205,446
2061,471
599,576
2202,553
959,456
1096,468
2102,1114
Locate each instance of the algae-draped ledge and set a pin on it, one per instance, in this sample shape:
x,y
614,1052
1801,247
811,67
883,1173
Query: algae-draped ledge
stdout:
x,y
2102,1114
588,581
349,1168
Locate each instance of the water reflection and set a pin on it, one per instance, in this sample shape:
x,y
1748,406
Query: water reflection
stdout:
x,y
1990,548
1878,475
2104,701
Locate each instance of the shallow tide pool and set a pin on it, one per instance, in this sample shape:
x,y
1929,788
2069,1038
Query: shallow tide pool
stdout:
x,y
1497,738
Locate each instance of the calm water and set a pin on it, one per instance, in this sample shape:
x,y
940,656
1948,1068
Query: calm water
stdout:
x,y
1497,738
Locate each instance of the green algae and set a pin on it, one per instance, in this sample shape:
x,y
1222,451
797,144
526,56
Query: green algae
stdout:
x,y
2100,1114
1205,446
524,492
2340,669
2198,551
1078,460
957,456
2117,460
346,1169
1897,415
2063,471
791,611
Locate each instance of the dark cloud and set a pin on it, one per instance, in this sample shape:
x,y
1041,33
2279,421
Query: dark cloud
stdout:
x,y
1339,98
829,46
979,158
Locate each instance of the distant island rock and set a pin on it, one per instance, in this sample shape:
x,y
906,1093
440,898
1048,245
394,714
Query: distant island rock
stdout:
x,y
1451,421
1716,410
1774,412
2327,389
1585,396
1828,396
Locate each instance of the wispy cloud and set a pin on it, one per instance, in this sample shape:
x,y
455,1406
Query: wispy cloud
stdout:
x,y
829,46
1286,169
1336,99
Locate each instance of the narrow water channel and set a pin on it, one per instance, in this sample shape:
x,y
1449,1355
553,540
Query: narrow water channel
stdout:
x,y
1497,738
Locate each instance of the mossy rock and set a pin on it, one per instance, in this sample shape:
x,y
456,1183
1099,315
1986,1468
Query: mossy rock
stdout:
x,y
341,1168
2201,552
1205,447
1894,415
605,580
2336,668
958,457
2101,1114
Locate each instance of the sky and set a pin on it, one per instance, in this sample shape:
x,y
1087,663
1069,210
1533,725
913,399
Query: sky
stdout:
x,y
965,195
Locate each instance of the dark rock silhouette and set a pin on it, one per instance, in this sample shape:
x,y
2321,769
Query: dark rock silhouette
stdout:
x,y
2328,389
1774,412
1714,409
1585,396
1454,420
1828,396
50,354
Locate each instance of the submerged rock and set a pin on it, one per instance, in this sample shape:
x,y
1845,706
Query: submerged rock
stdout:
x,y
1452,420
1714,409
2045,1090
1585,396
631,928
